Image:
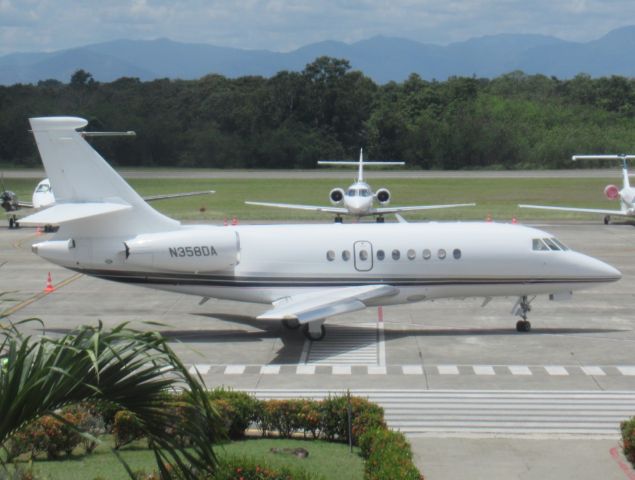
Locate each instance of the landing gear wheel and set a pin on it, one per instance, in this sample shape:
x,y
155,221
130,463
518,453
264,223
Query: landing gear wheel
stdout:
x,y
314,336
607,219
339,219
380,219
523,326
291,324
11,222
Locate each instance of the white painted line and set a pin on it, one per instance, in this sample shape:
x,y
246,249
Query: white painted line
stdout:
x,y
448,369
594,371
270,369
200,368
305,370
483,370
630,371
556,370
381,343
412,369
519,370
376,370
341,369
234,369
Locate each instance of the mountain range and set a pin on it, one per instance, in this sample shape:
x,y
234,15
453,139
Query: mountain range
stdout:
x,y
383,59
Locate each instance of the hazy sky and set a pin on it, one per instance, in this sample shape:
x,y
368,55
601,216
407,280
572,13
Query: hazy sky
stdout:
x,y
282,25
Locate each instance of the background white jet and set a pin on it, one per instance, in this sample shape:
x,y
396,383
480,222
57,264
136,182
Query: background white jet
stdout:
x,y
357,200
626,195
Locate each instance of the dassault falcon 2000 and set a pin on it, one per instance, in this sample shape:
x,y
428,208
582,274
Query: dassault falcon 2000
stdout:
x,y
357,199
307,273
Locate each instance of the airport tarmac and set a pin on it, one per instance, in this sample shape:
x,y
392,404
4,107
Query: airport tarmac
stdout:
x,y
475,397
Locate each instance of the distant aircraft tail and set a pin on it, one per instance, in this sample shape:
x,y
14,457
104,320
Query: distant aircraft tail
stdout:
x,y
90,196
360,164
622,157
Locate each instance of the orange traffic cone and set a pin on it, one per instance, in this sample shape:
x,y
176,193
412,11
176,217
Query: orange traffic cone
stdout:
x,y
225,222
38,230
489,218
234,220
514,220
49,285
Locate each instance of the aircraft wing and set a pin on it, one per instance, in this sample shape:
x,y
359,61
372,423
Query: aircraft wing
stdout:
x,y
572,209
417,207
326,303
313,208
152,198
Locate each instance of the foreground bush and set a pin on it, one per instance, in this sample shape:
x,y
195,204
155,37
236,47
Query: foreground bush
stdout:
x,y
248,469
239,407
628,439
388,456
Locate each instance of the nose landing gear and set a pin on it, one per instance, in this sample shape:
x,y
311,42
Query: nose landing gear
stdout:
x,y
521,309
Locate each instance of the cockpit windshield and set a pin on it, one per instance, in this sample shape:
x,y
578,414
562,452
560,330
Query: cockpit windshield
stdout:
x,y
43,188
364,193
547,244
352,192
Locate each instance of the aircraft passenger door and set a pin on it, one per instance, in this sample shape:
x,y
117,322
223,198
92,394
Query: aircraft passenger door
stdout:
x,y
363,256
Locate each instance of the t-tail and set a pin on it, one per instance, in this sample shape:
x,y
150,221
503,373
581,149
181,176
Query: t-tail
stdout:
x,y
89,193
622,157
359,164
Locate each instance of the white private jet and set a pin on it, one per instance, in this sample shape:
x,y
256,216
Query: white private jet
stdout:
x,y
307,273
42,197
626,195
357,200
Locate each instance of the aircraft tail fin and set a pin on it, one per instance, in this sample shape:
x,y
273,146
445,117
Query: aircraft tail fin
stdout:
x,y
79,175
622,157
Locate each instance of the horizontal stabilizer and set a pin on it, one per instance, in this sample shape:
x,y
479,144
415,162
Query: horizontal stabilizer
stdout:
x,y
316,306
311,208
68,212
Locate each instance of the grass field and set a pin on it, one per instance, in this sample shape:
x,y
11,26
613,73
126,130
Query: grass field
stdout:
x,y
324,459
497,197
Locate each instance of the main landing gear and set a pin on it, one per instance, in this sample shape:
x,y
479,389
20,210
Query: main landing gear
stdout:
x,y
380,219
13,222
607,219
521,309
339,219
314,331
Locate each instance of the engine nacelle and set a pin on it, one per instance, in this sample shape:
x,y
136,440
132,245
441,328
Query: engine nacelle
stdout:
x,y
336,196
192,251
612,192
9,201
383,196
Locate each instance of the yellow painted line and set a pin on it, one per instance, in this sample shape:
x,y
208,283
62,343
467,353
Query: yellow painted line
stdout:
x,y
18,243
39,296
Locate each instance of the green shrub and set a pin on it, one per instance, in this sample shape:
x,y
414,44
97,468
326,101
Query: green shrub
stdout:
x,y
284,416
126,428
309,417
334,418
238,468
388,456
243,411
628,439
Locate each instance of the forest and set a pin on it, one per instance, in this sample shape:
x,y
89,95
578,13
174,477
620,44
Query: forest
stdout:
x,y
329,111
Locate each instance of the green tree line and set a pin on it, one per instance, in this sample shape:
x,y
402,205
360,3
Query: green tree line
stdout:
x,y
329,111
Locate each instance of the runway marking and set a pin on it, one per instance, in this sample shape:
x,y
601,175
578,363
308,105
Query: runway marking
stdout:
x,y
556,370
305,370
341,370
519,370
235,369
483,370
202,369
270,369
593,371
412,369
25,303
448,369
376,370
451,370
351,346
487,414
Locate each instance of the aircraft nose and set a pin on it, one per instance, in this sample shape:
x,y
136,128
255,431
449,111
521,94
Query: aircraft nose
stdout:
x,y
601,270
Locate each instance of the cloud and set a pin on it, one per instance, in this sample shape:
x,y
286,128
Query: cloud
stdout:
x,y
287,24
